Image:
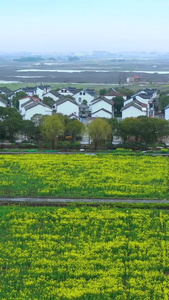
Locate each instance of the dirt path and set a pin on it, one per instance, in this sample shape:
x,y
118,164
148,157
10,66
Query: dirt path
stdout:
x,y
50,201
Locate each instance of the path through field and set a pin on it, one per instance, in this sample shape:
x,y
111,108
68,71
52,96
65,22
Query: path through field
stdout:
x,y
54,201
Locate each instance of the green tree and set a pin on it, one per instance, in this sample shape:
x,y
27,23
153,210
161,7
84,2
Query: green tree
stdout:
x,y
28,129
53,126
163,102
143,129
48,101
12,121
118,104
129,127
75,128
114,127
2,130
99,131
15,99
125,91
37,119
102,92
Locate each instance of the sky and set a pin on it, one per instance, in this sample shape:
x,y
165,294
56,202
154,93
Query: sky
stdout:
x,y
84,25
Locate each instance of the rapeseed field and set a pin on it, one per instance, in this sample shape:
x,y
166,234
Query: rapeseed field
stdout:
x,y
84,253
80,176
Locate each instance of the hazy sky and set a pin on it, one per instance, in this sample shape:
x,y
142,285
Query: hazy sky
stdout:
x,y
84,25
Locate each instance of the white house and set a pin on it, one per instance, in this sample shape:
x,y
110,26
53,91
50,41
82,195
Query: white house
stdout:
x,y
5,91
26,100
134,109
67,91
113,93
4,103
102,113
36,107
67,106
32,91
167,112
42,89
52,94
86,95
102,106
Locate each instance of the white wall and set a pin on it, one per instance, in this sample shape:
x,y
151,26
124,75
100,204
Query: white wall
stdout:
x,y
101,114
167,113
65,92
85,96
40,93
128,101
142,99
67,108
22,101
2,104
100,105
38,109
49,94
111,97
133,112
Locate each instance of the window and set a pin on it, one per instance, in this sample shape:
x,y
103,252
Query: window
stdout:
x,y
80,93
80,99
84,93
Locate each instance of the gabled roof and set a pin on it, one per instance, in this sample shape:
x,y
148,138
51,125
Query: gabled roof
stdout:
x,y
30,89
31,98
92,92
113,93
73,115
102,109
137,104
144,96
5,90
3,100
35,103
94,101
54,92
27,102
167,107
65,99
72,89
42,86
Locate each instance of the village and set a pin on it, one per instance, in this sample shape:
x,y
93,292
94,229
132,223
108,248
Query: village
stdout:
x,y
82,103
85,104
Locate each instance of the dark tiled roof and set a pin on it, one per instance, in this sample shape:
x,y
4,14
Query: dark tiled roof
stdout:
x,y
91,92
114,94
31,98
105,110
65,99
54,92
101,99
144,96
3,100
72,89
137,104
42,86
29,89
5,90
35,103
27,102
167,106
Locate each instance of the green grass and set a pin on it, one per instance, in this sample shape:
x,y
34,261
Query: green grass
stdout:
x,y
97,87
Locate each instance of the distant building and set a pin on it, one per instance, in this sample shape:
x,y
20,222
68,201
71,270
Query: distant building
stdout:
x,y
134,78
